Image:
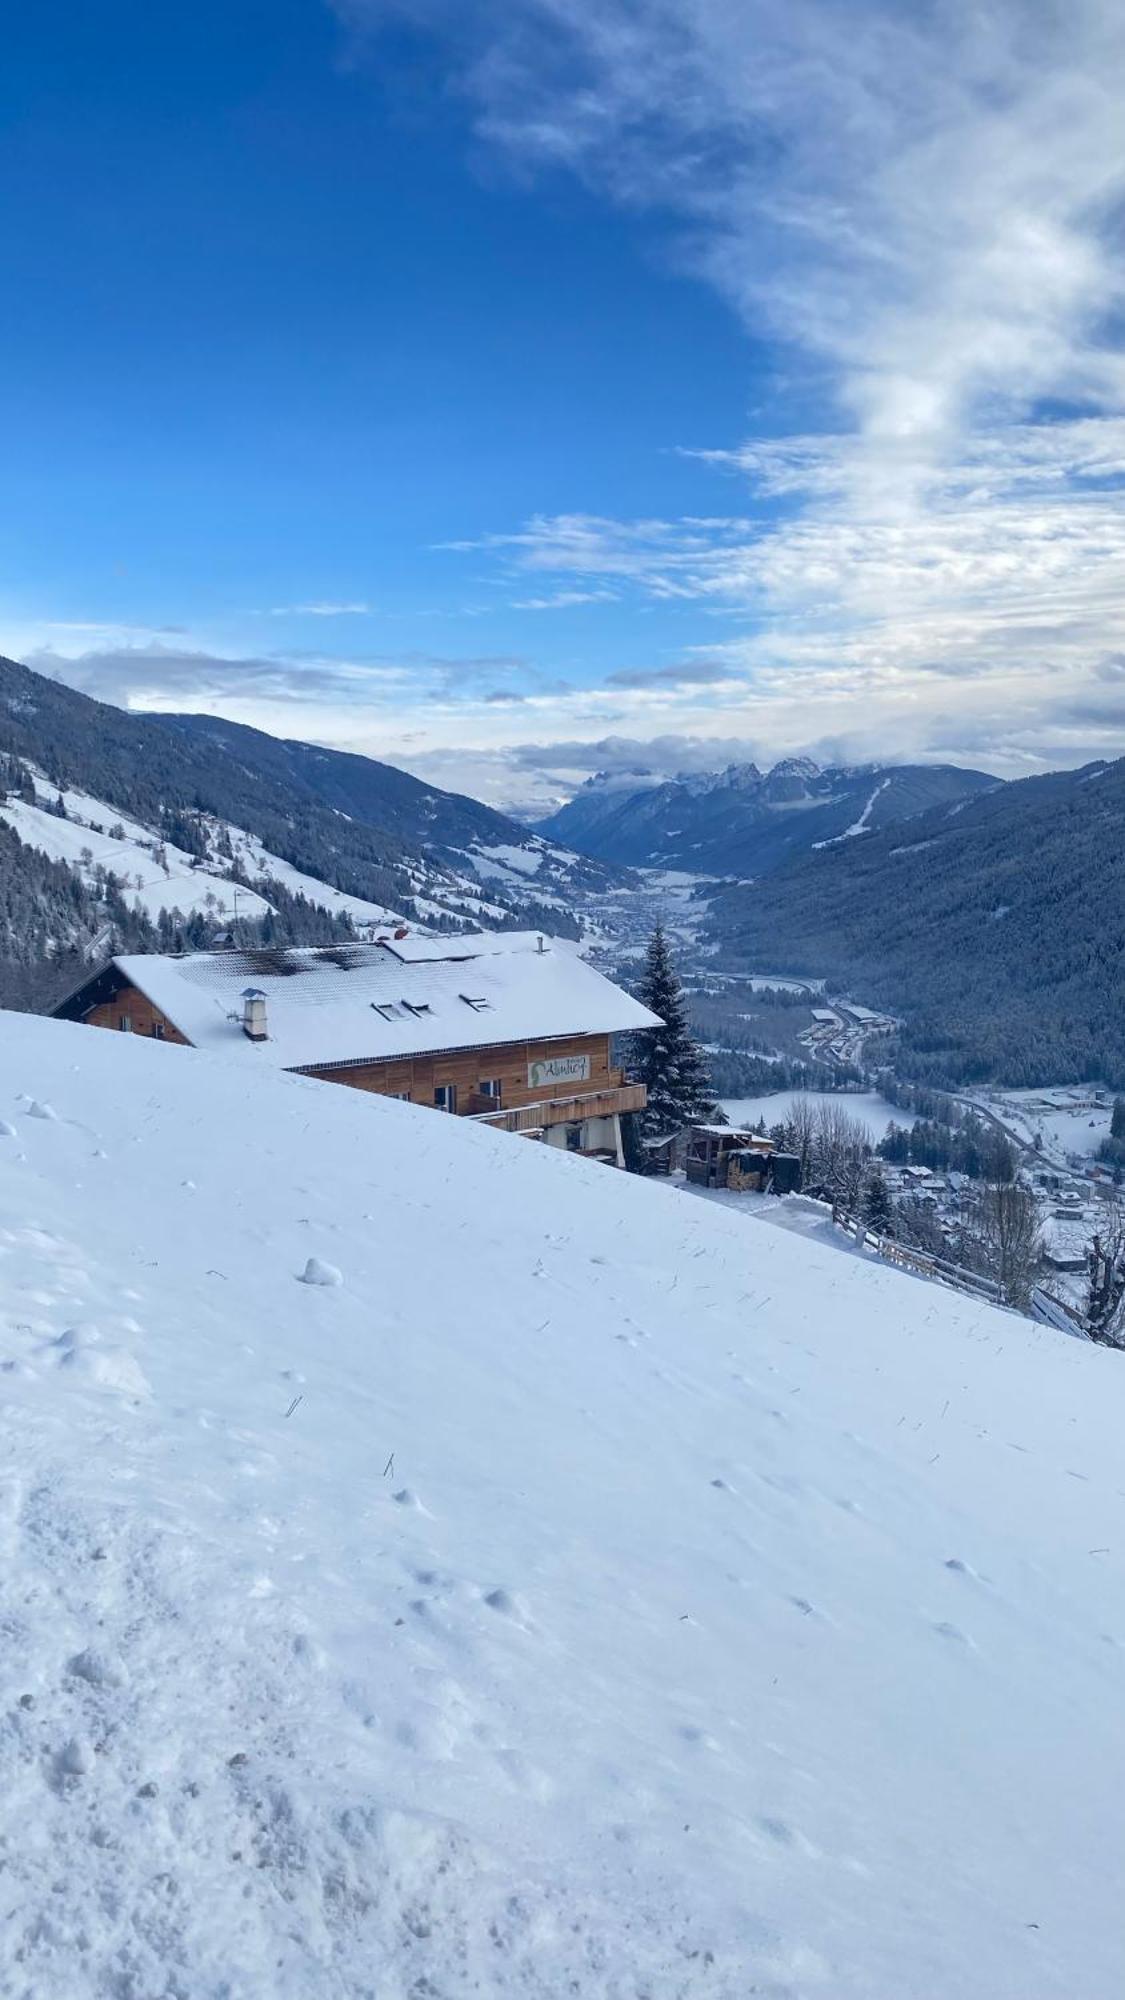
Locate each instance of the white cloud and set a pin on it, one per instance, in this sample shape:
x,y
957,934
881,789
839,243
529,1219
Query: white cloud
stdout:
x,y
922,212
320,610
927,200
564,600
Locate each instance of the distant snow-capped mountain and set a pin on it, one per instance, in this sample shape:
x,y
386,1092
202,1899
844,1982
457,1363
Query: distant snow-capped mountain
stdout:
x,y
743,821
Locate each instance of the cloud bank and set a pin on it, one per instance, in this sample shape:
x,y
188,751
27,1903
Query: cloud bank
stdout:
x,y
922,211
919,549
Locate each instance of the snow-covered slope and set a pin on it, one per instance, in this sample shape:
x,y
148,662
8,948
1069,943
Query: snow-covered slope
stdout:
x,y
592,1594
351,834
158,875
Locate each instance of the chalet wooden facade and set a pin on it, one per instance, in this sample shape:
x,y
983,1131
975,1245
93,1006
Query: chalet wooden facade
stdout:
x,y
507,1028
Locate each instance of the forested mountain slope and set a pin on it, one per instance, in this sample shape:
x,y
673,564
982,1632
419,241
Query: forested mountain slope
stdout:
x,y
743,821
462,830
60,913
996,927
398,842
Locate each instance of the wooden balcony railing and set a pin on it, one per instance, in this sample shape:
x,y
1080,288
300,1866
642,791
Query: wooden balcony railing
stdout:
x,y
565,1110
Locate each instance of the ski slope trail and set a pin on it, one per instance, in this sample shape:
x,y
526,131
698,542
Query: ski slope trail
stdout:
x,y
432,1566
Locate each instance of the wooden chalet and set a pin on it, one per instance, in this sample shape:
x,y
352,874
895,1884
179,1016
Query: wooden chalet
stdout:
x,y
509,1028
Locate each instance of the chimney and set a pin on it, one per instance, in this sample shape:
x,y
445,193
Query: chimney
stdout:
x,y
254,1014
539,944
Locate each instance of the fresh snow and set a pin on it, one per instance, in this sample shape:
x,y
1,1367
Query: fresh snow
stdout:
x,y
589,1596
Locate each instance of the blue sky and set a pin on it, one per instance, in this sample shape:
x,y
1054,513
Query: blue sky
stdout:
x,y
497,387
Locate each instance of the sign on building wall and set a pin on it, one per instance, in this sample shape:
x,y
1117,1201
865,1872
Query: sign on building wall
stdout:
x,y
557,1069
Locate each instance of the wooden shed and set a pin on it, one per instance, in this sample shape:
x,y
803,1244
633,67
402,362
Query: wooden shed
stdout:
x,y
728,1156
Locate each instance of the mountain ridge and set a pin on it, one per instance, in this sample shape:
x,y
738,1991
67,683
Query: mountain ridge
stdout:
x,y
744,821
995,927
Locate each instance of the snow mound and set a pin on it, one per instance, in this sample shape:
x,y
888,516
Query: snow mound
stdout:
x,y
629,1601
106,1368
317,1273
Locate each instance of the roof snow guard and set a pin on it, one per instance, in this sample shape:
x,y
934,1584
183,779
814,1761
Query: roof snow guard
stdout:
x,y
357,1003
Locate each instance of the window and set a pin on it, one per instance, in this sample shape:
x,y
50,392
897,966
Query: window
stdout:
x,y
403,1096
422,1007
490,1086
445,1096
125,1023
158,1030
476,1001
574,1138
387,1010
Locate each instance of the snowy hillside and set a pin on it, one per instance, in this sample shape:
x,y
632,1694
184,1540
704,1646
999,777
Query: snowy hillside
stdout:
x,y
591,1594
157,874
353,836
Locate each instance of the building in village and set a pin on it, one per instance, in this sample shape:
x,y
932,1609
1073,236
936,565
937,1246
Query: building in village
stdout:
x,y
509,1028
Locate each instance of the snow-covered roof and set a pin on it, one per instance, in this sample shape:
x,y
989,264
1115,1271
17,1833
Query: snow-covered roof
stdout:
x,y
373,1002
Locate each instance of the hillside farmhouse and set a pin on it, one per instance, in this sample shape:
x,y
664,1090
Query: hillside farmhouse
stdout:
x,y
509,1028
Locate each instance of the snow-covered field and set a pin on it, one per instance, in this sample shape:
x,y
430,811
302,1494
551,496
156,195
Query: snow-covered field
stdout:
x,y
587,1595
1068,1117
871,1109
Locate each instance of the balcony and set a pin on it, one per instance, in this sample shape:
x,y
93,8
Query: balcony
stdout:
x,y
562,1110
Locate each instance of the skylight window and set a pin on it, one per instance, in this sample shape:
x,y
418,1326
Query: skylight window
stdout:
x,y
476,1001
387,1010
417,1007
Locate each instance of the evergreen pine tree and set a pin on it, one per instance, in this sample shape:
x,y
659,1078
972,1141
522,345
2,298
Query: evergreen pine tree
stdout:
x,y
1117,1122
877,1207
666,1059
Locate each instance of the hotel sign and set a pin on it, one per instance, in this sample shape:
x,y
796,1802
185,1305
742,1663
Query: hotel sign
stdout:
x,y
558,1069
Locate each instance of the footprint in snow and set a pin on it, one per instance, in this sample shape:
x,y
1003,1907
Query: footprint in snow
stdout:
x,y
958,1568
807,1609
785,1835
699,1739
946,1630
507,1605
